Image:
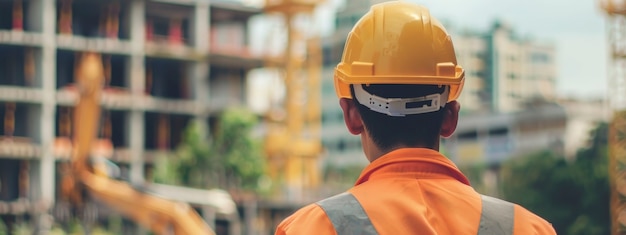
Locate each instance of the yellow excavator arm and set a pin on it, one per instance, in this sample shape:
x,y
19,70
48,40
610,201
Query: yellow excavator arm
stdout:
x,y
160,215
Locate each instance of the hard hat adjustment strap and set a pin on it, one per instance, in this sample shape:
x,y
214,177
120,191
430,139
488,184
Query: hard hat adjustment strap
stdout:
x,y
401,106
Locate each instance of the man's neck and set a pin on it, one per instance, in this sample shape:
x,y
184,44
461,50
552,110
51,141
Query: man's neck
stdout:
x,y
375,152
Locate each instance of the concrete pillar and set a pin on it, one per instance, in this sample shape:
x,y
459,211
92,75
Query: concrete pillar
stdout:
x,y
200,83
42,222
136,81
200,39
137,87
200,69
48,71
135,119
200,27
137,40
136,146
46,166
137,23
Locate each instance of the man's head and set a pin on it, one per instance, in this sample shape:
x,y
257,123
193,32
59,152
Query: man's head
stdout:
x,y
398,79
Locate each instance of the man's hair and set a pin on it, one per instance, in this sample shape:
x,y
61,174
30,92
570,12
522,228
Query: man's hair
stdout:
x,y
389,132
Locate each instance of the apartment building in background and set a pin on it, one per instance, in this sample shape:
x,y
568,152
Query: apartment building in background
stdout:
x,y
503,69
167,62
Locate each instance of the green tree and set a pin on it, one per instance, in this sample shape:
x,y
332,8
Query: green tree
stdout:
x,y
543,184
3,228
237,152
573,195
191,163
232,159
591,171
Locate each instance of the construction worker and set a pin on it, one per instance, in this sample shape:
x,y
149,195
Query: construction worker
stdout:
x,y
398,82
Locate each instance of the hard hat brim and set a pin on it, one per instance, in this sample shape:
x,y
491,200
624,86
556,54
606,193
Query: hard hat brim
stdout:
x,y
343,81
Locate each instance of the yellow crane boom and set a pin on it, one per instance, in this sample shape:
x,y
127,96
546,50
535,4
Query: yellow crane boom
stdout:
x,y
155,213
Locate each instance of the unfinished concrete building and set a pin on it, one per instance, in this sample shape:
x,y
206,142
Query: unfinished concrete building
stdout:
x,y
167,62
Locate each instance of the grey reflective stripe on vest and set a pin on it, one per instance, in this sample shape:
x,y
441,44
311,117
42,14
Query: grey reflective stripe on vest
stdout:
x,y
348,217
497,217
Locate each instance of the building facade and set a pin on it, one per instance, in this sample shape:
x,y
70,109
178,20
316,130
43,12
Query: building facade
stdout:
x,y
167,62
492,138
504,70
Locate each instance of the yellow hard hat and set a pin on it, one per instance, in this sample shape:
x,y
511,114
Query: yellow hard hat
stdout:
x,y
399,43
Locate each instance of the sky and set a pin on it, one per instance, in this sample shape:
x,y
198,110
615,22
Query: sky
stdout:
x,y
576,27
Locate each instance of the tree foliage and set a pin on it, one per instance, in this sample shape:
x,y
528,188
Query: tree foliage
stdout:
x,y
232,159
572,195
3,228
190,164
237,152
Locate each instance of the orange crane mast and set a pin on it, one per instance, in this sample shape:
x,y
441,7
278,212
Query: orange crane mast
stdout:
x,y
616,25
293,143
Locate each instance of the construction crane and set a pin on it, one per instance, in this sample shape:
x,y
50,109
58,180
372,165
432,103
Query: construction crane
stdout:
x,y
293,143
616,16
160,215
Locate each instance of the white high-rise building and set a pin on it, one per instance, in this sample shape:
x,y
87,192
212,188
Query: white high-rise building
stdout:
x,y
504,70
471,51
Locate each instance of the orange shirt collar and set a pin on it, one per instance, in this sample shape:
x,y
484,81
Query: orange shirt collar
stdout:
x,y
412,162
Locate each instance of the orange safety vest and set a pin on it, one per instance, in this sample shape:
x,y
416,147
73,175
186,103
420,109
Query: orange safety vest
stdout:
x,y
409,191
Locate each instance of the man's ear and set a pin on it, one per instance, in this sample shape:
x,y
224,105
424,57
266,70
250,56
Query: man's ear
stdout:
x,y
450,118
351,116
